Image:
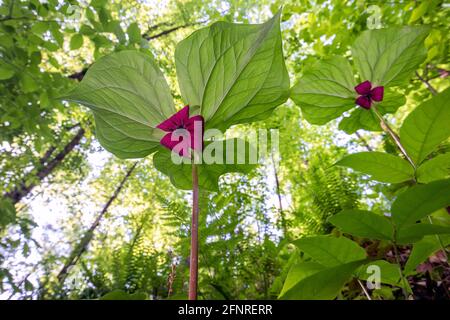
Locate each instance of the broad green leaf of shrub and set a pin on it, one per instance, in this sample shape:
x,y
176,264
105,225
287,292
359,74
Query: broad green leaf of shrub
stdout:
x,y
422,250
325,91
362,223
134,33
235,73
363,119
298,272
426,127
359,119
388,271
415,232
7,212
330,251
129,97
419,11
208,174
388,57
114,27
6,71
434,169
122,295
39,27
324,284
28,83
380,166
420,201
76,42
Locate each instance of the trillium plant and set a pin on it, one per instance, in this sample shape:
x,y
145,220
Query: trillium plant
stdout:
x,y
227,74
231,74
383,63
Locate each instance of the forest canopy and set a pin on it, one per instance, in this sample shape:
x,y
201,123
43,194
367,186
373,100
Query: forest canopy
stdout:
x,y
166,150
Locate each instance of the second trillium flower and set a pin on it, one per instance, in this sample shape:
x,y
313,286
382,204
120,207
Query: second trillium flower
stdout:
x,y
184,132
367,94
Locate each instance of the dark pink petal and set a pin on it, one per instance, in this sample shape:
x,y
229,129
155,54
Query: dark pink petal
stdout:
x,y
195,125
184,132
183,114
176,121
170,141
364,102
190,122
168,125
363,88
377,93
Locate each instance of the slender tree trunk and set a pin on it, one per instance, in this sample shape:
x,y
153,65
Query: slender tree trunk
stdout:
x,y
48,166
280,203
193,260
363,141
84,242
47,155
427,84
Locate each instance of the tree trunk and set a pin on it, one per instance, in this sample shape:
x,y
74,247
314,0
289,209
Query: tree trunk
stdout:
x,y
363,141
88,235
48,166
280,202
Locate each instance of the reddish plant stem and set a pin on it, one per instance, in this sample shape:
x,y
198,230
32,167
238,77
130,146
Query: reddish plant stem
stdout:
x,y
193,265
386,128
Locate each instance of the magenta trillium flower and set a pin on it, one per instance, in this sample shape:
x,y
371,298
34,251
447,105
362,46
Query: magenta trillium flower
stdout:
x,y
367,94
188,132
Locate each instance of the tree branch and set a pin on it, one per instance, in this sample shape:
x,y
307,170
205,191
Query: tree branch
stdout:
x,y
88,235
427,84
363,141
24,189
168,31
79,75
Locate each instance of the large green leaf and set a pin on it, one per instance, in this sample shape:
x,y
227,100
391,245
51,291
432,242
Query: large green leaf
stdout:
x,y
76,41
365,119
325,91
6,71
234,72
388,57
389,272
423,249
427,126
298,272
415,232
434,169
420,201
129,97
180,173
134,33
363,224
330,251
324,284
380,166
